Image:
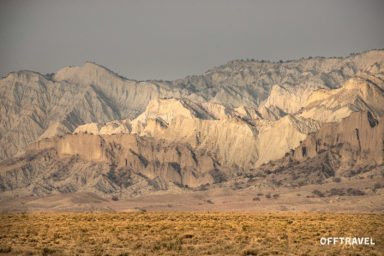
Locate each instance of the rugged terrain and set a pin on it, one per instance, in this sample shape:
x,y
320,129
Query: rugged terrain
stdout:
x,y
35,106
312,127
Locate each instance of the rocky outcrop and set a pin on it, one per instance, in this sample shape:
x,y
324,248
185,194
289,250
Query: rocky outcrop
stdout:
x,y
121,164
363,93
353,146
113,127
357,140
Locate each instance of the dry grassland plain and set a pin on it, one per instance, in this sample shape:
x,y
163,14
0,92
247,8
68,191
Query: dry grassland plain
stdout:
x,y
187,233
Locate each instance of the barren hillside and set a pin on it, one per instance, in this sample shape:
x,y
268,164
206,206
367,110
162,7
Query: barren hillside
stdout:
x,y
35,106
241,127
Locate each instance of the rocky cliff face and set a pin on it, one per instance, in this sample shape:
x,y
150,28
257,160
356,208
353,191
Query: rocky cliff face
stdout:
x,y
226,131
354,146
87,129
357,140
122,164
35,106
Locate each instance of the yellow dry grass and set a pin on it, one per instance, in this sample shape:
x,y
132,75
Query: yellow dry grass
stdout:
x,y
186,233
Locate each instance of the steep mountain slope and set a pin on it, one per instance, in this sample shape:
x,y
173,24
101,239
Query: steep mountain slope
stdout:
x,y
122,164
178,144
238,138
363,93
35,106
353,146
226,132
250,82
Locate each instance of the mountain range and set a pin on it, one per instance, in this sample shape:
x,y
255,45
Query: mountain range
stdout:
x,y
244,126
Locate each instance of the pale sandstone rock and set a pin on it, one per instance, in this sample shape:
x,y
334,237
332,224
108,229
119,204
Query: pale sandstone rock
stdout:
x,y
35,106
193,131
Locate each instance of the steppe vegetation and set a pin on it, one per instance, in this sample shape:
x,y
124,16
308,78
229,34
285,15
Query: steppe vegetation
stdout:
x,y
139,233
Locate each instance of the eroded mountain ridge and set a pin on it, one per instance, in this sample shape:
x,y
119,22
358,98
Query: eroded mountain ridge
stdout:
x,y
87,129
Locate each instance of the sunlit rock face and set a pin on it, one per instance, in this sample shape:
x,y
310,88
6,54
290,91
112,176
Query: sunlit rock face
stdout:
x,y
35,106
88,129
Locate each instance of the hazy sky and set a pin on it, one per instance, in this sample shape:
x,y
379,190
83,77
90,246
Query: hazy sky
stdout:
x,y
171,39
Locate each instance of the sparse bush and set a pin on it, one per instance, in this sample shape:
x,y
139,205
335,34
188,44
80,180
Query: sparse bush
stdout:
x,y
115,198
47,251
256,199
377,186
337,180
187,236
336,192
268,195
6,249
203,187
142,210
276,196
277,183
355,192
250,252
318,193
237,185
210,201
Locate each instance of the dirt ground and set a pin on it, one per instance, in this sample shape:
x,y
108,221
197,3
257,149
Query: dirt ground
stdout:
x,y
354,196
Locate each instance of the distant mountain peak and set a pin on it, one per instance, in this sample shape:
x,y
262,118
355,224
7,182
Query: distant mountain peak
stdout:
x,y
86,73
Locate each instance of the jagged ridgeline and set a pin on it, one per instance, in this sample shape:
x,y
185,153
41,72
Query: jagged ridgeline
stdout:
x,y
88,129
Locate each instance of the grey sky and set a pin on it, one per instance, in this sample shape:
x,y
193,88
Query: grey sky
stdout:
x,y
171,39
